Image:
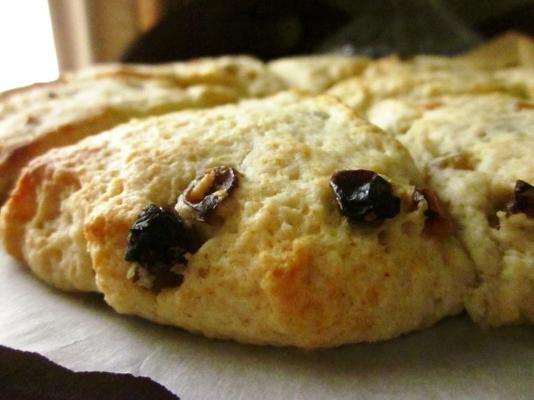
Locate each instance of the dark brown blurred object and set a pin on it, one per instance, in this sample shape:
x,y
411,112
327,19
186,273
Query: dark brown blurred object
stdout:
x,y
266,29
30,376
88,31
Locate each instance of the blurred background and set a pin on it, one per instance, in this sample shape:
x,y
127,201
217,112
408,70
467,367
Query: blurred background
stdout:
x,y
40,38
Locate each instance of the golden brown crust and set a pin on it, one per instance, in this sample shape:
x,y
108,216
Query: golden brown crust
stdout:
x,y
475,149
281,266
245,74
55,114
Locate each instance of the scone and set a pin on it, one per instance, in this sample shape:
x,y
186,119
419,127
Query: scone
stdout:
x,y
316,73
478,155
504,51
246,75
420,79
522,77
284,221
60,113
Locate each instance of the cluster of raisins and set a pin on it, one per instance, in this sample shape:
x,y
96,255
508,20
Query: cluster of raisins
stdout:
x,y
160,238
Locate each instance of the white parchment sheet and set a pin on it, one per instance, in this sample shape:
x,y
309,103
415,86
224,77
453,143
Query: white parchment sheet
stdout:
x,y
453,360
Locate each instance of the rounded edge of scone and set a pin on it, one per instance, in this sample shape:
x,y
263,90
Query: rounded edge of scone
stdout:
x,y
316,73
474,149
284,268
44,116
247,74
414,81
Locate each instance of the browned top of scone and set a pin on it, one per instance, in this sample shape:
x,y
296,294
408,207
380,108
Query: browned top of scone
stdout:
x,y
44,116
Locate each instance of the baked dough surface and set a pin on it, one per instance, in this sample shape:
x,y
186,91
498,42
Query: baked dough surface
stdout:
x,y
317,73
473,149
44,116
422,78
281,266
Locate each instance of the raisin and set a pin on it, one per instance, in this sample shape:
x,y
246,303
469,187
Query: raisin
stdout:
x,y
437,222
158,241
364,196
523,199
205,193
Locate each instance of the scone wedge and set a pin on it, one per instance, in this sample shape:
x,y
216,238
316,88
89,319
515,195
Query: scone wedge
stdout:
x,y
44,116
317,73
392,92
478,155
283,221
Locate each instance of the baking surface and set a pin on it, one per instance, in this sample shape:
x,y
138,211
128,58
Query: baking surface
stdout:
x,y
453,360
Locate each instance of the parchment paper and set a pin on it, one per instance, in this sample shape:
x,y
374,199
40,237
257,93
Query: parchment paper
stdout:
x,y
453,360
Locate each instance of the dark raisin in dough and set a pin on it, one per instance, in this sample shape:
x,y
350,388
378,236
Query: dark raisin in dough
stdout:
x,y
437,222
523,199
205,193
364,196
159,240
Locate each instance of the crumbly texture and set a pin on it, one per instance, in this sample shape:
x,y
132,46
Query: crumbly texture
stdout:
x,y
281,266
521,77
419,79
317,73
247,75
45,116
474,149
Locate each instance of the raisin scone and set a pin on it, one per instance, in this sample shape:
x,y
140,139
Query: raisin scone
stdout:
x,y
417,80
478,156
284,221
317,73
60,113
246,75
